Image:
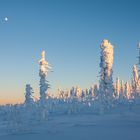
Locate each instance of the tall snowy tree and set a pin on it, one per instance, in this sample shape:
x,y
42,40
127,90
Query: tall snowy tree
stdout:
x,y
135,82
106,82
28,94
43,73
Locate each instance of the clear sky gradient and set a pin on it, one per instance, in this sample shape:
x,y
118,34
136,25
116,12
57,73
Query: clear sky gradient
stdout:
x,y
70,31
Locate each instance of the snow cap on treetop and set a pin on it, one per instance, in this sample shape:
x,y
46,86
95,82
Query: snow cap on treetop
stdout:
x,y
105,43
43,55
134,66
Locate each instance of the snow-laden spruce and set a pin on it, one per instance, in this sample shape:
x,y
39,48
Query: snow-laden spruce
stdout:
x,y
28,95
127,91
106,82
135,83
43,73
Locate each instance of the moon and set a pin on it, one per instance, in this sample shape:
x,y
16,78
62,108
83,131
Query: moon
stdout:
x,y
6,18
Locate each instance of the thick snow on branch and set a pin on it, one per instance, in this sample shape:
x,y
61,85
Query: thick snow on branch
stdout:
x,y
44,65
107,56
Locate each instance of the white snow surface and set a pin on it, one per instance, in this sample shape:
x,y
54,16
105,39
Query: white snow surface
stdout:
x,y
118,124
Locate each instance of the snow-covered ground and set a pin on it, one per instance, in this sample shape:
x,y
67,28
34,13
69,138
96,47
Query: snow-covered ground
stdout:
x,y
114,126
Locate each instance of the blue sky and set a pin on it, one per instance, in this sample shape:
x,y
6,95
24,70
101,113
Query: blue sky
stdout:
x,y
70,31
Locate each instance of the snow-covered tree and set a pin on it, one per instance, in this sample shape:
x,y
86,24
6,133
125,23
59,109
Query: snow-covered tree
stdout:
x,y
135,82
28,95
106,82
117,88
122,92
43,73
135,76
78,92
96,90
86,93
72,92
127,91
122,86
93,91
